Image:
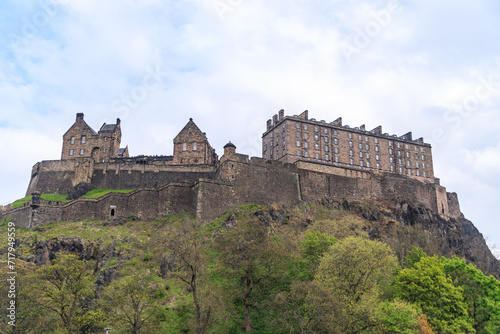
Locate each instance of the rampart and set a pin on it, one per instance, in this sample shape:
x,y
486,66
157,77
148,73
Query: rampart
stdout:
x,y
207,191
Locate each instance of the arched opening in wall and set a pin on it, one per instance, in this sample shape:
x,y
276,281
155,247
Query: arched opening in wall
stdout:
x,y
442,208
112,212
95,154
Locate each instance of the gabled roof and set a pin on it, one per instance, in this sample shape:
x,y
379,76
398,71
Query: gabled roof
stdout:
x,y
84,126
108,127
190,133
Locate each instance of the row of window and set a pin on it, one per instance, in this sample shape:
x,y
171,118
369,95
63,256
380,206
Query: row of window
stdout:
x,y
72,152
82,140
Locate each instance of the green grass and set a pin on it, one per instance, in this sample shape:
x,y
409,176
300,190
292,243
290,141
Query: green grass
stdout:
x,y
96,193
48,197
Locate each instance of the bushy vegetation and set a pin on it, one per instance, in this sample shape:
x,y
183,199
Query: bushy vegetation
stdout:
x,y
254,269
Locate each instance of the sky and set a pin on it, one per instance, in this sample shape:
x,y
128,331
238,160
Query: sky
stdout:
x,y
430,67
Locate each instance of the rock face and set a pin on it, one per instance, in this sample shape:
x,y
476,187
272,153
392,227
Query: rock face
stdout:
x,y
79,190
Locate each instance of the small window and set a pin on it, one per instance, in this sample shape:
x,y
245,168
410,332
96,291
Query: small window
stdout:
x,y
361,163
112,212
378,165
399,145
401,170
305,135
105,138
316,146
409,171
360,146
184,146
317,155
417,164
407,154
368,164
392,168
327,157
422,149
336,159
360,154
399,153
297,134
366,138
326,131
298,143
336,141
391,160
406,146
367,147
350,135
351,161
305,145
350,144
399,161
327,148
316,137
298,125
298,152
376,140
194,145
71,152
315,129
104,150
416,155
376,148
335,133
82,151
423,157
326,139
360,137
306,154
336,150
390,143
367,155
72,140
305,126
418,173
423,164
408,163
425,174
284,134
390,151
377,157
351,153
83,139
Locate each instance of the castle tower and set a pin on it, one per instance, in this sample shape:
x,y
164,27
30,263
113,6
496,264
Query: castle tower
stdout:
x,y
191,147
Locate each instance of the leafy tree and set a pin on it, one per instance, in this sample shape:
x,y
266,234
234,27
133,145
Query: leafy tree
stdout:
x,y
314,245
134,298
355,272
189,247
253,259
399,317
414,256
427,285
481,293
63,288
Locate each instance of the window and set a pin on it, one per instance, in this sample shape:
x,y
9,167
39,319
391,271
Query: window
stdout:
x,y
361,163
265,147
406,146
399,145
351,161
392,168
366,138
316,155
408,163
72,140
105,138
423,157
327,148
316,146
315,129
350,144
422,149
367,147
305,126
337,150
376,140
298,125
298,143
360,137
360,154
71,152
423,164
418,173
335,133
376,148
194,145
326,131
368,164
425,174
399,153
298,152
377,157
390,143
327,157
350,135
409,171
390,151
351,153
82,151
401,170
391,159
360,146
417,164
336,159
326,139
284,134
297,134
316,137
378,165
104,150
367,155
305,145
407,154
336,141
184,146
305,135
83,139
399,161
306,154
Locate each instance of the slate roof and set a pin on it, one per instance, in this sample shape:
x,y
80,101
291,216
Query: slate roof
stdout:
x,y
108,127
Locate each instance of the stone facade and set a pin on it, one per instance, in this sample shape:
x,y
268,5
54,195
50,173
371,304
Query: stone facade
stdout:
x,y
294,138
191,146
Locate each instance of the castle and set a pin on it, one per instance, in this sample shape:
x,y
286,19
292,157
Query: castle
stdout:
x,y
303,160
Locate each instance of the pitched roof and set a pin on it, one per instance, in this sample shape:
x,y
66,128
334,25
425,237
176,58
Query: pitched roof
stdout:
x,y
190,133
108,127
85,125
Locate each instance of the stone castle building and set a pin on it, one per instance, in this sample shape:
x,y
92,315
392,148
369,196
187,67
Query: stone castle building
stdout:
x,y
81,141
303,160
293,138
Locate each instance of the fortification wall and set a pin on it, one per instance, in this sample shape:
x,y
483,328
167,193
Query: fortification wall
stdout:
x,y
52,177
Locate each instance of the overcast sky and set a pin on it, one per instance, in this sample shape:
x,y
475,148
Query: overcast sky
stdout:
x,y
426,66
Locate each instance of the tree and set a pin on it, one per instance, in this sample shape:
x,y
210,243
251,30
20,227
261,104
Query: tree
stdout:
x,y
356,272
63,287
188,245
427,285
481,293
399,317
252,257
414,256
134,297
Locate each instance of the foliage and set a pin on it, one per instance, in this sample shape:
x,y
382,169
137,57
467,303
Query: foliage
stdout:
x,y
96,193
427,285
